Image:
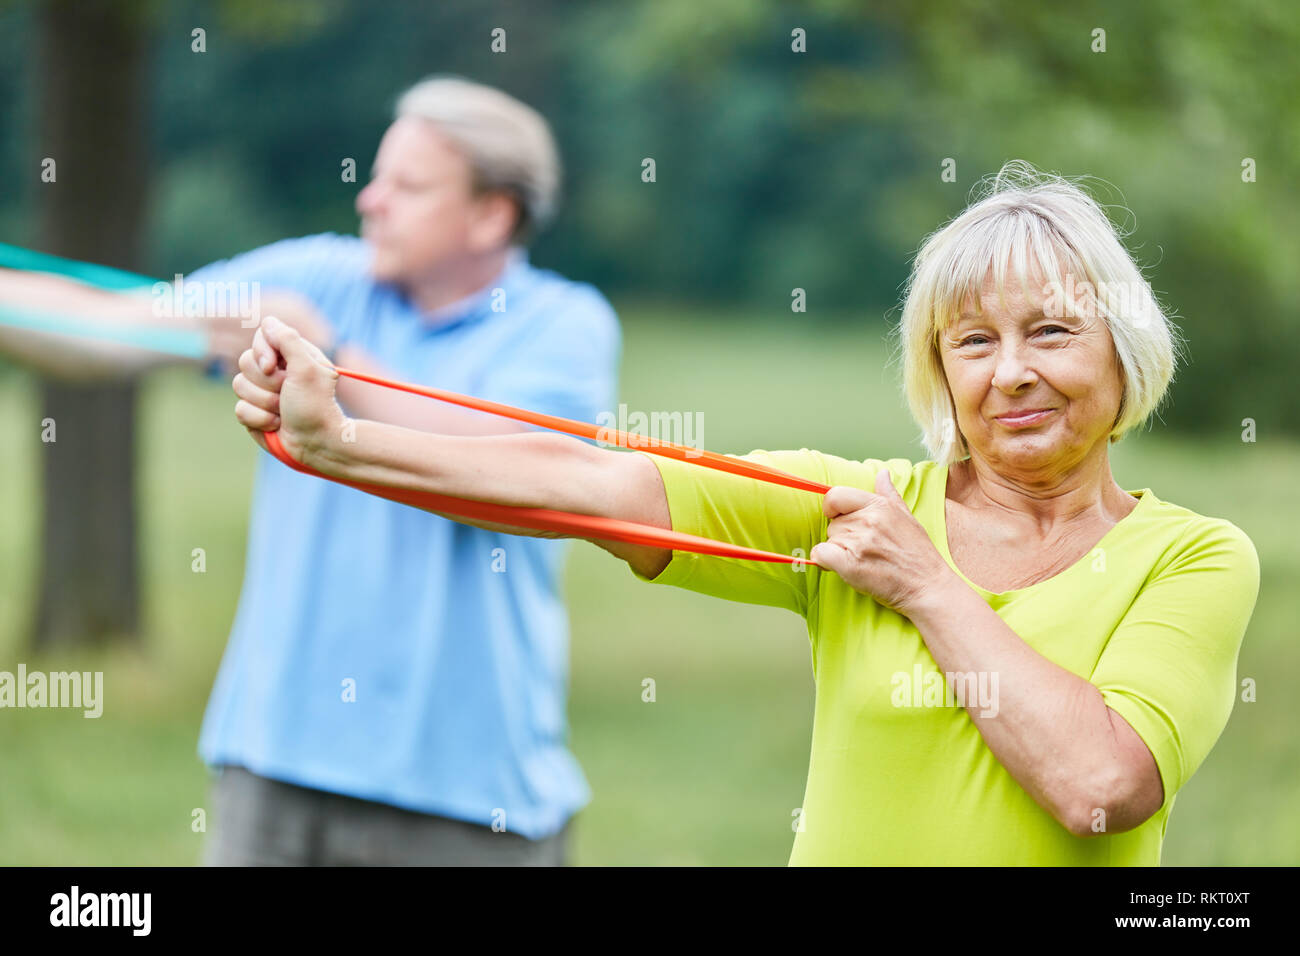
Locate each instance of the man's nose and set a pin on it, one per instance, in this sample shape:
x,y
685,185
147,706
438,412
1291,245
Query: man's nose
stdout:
x,y
369,199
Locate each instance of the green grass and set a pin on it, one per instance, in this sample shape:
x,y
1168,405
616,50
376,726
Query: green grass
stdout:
x,y
709,772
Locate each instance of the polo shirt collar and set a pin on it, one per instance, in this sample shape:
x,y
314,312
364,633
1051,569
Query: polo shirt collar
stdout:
x,y
478,304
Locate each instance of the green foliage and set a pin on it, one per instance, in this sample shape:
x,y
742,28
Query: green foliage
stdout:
x,y
775,169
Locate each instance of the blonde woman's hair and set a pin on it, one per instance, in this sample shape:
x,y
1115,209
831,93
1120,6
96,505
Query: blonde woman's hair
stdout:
x,y
508,144
1021,220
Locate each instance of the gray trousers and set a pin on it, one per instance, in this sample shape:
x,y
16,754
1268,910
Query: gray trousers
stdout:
x,y
262,822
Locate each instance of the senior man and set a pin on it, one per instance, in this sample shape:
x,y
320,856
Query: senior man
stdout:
x,y
394,687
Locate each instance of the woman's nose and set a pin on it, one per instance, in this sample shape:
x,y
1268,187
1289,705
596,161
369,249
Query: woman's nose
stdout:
x,y
1012,370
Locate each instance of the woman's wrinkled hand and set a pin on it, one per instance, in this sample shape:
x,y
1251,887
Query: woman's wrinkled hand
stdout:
x,y
877,546
287,385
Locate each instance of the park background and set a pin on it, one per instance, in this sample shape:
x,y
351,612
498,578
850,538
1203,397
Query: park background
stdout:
x,y
775,170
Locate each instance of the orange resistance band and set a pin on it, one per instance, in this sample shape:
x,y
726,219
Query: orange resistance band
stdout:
x,y
582,526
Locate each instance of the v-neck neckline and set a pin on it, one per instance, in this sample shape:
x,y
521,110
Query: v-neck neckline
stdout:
x,y
941,522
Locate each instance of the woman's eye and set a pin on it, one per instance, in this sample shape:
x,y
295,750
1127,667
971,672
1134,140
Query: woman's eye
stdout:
x,y
974,340
1050,328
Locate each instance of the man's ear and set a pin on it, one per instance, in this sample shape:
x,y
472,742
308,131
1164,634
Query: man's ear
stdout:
x,y
496,216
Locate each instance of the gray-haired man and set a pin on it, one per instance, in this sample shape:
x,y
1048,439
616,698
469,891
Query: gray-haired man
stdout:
x,y
394,687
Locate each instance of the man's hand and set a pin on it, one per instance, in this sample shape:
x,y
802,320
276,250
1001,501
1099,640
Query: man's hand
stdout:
x,y
229,336
286,384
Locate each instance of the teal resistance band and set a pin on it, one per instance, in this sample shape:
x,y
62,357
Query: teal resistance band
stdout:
x,y
103,277
180,342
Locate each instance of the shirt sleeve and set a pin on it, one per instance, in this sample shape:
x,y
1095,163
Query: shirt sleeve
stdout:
x,y
305,265
1170,667
745,511
566,364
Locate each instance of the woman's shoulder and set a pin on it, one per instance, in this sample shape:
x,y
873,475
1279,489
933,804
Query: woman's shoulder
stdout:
x,y
1190,524
913,480
854,473
908,474
1191,538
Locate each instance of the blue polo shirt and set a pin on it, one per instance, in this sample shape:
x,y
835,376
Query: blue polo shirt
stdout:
x,y
386,653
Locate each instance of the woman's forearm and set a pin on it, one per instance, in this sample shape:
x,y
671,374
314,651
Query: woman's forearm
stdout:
x,y
363,400
1049,728
525,469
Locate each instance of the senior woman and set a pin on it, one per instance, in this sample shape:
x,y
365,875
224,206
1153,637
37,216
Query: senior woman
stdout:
x,y
1017,661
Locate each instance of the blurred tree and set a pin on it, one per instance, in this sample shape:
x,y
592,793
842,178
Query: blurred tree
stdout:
x,y
93,121
92,124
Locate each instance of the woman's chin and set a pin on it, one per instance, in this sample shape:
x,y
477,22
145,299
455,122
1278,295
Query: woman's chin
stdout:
x,y
1027,452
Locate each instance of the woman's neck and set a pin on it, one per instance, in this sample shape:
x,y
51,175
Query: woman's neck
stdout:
x,y
1084,493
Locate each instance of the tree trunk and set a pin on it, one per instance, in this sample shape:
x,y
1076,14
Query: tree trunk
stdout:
x,y
92,112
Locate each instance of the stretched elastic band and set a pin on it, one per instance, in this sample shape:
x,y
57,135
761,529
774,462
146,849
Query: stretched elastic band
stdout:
x,y
583,526
544,519
705,459
182,342
104,277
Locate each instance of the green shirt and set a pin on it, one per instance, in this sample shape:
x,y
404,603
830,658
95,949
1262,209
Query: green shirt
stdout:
x,y
1153,616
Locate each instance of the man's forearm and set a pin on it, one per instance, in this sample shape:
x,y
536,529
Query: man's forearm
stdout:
x,y
78,358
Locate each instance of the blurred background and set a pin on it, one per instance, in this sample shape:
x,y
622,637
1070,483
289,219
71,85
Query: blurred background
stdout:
x,y
776,170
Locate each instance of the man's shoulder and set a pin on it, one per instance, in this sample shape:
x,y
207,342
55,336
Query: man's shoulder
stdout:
x,y
294,261
323,249
548,289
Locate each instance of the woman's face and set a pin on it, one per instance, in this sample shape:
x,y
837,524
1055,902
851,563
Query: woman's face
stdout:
x,y
1011,358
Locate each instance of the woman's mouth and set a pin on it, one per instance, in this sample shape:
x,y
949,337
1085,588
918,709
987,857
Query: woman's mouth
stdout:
x,y
1024,419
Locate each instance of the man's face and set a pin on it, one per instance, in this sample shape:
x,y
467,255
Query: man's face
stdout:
x,y
419,212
